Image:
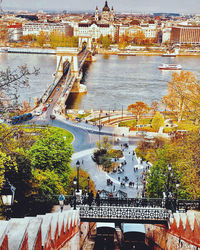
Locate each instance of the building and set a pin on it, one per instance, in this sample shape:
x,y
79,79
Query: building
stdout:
x,y
101,26
94,30
15,32
185,35
106,16
35,28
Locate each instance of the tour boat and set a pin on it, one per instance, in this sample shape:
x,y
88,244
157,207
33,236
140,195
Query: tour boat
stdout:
x,y
170,67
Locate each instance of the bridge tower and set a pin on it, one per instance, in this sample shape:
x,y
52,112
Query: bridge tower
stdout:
x,y
85,41
70,55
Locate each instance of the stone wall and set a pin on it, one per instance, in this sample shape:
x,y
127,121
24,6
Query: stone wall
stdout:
x,y
183,232
50,231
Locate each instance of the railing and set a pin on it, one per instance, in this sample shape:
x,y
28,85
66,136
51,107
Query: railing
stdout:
x,y
53,85
131,214
171,204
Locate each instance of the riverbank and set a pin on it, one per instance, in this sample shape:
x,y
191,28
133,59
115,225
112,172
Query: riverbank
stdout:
x,y
143,53
23,50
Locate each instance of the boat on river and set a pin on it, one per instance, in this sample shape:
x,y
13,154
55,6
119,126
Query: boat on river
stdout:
x,y
169,55
126,53
165,66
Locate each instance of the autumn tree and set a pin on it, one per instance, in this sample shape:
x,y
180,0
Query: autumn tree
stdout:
x,y
138,108
29,38
41,39
58,39
158,121
124,40
154,107
183,94
139,37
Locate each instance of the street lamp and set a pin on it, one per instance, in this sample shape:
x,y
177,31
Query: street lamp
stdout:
x,y
74,184
88,184
169,167
7,196
78,167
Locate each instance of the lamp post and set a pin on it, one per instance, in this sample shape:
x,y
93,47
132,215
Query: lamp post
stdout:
x,y
88,179
78,167
167,193
74,184
7,196
169,168
99,126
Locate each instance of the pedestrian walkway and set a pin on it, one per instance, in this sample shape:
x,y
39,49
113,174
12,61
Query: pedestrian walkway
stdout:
x,y
100,177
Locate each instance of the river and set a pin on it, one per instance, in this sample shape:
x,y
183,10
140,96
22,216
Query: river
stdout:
x,y
112,81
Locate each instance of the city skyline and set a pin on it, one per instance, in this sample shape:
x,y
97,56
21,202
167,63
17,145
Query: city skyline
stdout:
x,y
179,6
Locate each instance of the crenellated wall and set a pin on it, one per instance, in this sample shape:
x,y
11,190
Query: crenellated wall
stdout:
x,y
183,232
49,231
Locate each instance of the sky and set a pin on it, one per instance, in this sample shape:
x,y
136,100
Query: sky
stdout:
x,y
147,6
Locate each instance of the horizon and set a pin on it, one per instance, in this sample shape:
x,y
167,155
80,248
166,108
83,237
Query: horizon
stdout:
x,y
156,6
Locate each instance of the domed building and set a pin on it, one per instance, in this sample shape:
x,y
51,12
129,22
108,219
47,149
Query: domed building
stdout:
x,y
107,15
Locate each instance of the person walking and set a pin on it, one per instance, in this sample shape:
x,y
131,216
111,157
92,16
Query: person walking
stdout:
x,y
90,198
61,201
98,199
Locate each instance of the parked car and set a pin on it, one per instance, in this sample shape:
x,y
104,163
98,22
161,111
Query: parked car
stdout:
x,y
78,119
47,105
52,117
44,109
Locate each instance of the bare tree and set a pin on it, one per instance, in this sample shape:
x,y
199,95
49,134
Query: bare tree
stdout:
x,y
11,80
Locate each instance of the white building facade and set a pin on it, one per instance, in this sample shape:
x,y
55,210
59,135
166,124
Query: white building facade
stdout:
x,y
34,28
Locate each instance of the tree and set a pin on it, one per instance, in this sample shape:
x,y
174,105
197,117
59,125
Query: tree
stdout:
x,y
124,40
41,39
11,80
106,42
139,108
48,183
53,153
139,37
183,94
154,107
58,39
158,121
83,182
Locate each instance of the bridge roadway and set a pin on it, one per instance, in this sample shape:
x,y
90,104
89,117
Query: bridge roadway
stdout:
x,y
67,79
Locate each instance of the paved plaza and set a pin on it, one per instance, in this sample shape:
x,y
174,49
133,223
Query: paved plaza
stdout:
x,y
100,177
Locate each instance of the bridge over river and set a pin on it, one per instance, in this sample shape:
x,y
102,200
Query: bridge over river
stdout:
x,y
68,73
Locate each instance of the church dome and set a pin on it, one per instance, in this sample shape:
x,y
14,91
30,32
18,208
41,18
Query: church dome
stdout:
x,y
106,8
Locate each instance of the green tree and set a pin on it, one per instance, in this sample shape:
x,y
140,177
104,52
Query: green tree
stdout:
x,y
52,152
47,183
158,121
106,42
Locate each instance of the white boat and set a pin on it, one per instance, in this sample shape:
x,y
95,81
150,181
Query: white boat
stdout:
x,y
126,53
165,66
169,55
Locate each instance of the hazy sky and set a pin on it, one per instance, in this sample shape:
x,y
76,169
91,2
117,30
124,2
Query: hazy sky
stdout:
x,y
186,6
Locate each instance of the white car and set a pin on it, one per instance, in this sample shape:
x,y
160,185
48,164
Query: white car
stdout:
x,y
38,113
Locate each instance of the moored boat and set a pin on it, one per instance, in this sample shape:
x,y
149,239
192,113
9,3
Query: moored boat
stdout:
x,y
170,67
126,53
169,55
